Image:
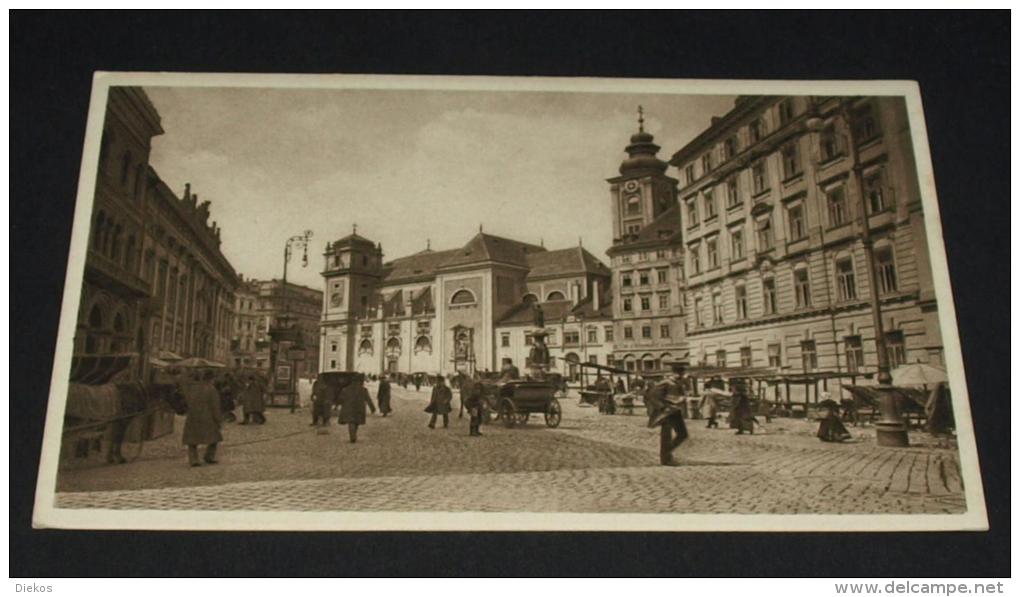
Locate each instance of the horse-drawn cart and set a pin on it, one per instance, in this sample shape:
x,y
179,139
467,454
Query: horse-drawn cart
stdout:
x,y
518,400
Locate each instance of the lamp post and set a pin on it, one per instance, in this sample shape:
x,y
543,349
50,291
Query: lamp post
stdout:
x,y
299,241
890,429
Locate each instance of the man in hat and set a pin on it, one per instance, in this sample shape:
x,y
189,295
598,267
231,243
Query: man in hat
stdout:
x,y
383,395
202,424
439,403
354,401
324,396
665,404
252,402
472,395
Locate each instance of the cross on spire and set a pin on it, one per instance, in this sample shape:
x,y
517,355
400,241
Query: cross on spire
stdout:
x,y
428,244
355,228
641,118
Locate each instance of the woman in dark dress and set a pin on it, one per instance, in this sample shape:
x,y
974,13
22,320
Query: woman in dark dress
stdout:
x,y
383,396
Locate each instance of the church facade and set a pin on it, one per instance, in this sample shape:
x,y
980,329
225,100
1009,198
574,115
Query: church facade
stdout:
x,y
442,311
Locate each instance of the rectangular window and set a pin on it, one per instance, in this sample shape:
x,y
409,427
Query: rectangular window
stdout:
x,y
571,338
695,254
664,331
895,349
795,215
845,280
765,234
628,333
717,309
646,331
664,302
161,280
730,147
831,143
646,303
706,163
732,192
643,277
736,244
865,123
808,356
756,130
625,280
802,287
692,212
528,340
886,270
745,356
628,305
689,173
835,198
854,354
740,292
785,111
698,319
759,177
720,358
663,276
768,286
593,335
709,205
873,192
504,340
633,205
775,355
712,253
609,333
791,161
594,359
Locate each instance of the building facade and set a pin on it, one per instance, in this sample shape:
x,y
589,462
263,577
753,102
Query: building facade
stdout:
x,y
249,347
155,279
441,311
647,261
280,305
771,210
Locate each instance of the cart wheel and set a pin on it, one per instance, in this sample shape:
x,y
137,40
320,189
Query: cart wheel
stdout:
x,y
506,412
553,414
522,418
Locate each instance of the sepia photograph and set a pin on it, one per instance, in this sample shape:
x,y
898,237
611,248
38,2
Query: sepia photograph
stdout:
x,y
347,302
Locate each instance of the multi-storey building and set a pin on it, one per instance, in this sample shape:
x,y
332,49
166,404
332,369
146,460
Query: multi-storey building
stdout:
x,y
249,348
155,279
776,271
647,260
288,305
444,311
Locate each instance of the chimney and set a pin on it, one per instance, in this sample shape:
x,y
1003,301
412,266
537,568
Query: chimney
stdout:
x,y
595,291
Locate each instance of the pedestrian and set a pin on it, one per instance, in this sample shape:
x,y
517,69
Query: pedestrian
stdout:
x,y
227,389
472,396
831,428
383,395
509,371
607,404
709,408
620,387
741,417
324,396
417,383
665,403
202,423
439,403
353,402
252,402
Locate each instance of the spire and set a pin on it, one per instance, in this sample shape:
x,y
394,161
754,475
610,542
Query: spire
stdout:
x,y
355,228
580,241
428,244
642,152
641,118
479,227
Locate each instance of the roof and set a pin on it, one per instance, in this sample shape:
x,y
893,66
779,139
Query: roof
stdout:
x,y
552,311
419,265
352,239
663,229
574,260
586,309
486,247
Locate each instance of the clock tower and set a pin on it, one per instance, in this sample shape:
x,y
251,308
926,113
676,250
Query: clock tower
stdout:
x,y
642,192
351,276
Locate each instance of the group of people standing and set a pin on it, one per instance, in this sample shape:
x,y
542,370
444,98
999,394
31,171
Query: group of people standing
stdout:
x,y
352,403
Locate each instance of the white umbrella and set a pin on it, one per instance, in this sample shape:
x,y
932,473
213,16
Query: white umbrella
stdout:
x,y
918,374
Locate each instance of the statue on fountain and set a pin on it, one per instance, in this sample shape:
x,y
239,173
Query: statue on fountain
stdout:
x,y
538,358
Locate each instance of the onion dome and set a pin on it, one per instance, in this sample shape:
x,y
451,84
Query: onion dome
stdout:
x,y
642,151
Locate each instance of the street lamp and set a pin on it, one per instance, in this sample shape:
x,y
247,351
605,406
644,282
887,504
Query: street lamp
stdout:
x,y
299,241
890,429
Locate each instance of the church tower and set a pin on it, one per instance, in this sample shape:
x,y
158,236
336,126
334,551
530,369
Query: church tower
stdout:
x,y
351,277
642,192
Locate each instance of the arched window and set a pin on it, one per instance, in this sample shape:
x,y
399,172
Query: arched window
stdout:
x,y
97,231
423,343
393,343
573,370
96,318
555,295
648,363
629,362
529,298
365,347
462,297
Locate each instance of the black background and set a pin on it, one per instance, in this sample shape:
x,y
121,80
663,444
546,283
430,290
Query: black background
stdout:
x,y
960,59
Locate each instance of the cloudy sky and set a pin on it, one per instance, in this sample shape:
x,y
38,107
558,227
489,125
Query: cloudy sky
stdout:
x,y
406,166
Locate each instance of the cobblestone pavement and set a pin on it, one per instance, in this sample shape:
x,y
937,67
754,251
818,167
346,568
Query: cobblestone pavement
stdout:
x,y
591,463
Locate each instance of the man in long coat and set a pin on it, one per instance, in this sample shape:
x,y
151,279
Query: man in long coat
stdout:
x,y
202,424
665,404
383,396
324,396
252,402
439,403
742,416
472,397
354,401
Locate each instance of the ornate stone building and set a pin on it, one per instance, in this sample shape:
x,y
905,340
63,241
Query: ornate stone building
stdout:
x,y
155,279
441,311
776,270
291,305
249,346
647,260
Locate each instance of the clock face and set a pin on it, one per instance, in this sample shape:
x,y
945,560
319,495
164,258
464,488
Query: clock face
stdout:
x,y
630,185
336,298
